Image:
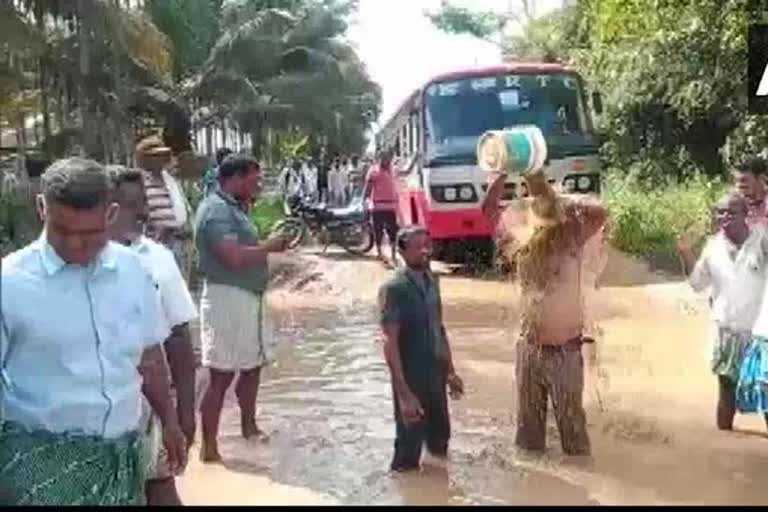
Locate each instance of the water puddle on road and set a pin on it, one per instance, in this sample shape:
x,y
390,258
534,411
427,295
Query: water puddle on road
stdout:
x,y
327,405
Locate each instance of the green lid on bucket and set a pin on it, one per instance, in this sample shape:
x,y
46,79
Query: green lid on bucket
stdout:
x,y
518,150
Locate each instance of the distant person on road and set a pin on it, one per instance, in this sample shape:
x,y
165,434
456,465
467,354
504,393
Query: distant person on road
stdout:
x,y
335,186
749,178
381,188
554,322
235,327
418,354
177,308
309,175
210,180
292,180
733,267
323,168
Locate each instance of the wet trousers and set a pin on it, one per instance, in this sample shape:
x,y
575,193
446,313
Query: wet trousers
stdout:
x,y
434,430
557,373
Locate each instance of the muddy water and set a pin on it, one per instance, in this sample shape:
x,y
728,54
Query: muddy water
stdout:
x,y
650,403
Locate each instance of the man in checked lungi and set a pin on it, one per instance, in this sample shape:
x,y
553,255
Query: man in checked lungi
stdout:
x,y
80,339
733,266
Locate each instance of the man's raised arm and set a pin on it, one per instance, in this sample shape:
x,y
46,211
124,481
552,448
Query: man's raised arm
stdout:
x,y
491,206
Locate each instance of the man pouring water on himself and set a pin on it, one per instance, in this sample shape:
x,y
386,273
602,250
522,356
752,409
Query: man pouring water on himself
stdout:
x,y
549,361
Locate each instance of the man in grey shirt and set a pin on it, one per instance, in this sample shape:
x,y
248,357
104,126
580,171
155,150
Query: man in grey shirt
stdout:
x,y
235,330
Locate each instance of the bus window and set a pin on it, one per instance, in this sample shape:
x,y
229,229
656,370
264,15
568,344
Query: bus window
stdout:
x,y
467,108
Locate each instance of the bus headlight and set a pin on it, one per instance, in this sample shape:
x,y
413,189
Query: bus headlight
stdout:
x,y
466,193
584,183
570,185
449,194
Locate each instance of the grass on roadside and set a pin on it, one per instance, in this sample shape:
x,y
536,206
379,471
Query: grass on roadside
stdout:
x,y
646,221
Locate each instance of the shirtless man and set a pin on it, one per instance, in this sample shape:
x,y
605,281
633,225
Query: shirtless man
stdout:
x,y
553,323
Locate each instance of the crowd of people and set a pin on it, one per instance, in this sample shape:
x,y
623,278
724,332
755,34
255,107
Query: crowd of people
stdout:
x,y
98,391
113,419
332,182
375,182
733,268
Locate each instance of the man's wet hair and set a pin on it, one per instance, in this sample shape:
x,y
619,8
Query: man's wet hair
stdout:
x,y
236,165
76,182
221,154
754,165
407,233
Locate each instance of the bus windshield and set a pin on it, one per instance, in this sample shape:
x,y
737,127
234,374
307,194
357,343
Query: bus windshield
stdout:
x,y
459,111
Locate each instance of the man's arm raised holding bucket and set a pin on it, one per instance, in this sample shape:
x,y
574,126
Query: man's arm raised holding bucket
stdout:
x,y
491,206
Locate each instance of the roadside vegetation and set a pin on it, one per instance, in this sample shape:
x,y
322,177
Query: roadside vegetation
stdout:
x,y
266,213
276,78
646,220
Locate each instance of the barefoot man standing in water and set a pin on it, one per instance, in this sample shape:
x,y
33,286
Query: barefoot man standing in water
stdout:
x,y
549,360
417,353
234,324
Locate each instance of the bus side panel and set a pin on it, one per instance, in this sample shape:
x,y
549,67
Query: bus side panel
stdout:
x,y
445,225
459,224
413,207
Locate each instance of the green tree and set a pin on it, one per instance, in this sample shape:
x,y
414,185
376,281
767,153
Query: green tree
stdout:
x,y
284,67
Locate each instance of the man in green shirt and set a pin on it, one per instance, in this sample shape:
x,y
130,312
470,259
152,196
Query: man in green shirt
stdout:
x,y
235,331
417,353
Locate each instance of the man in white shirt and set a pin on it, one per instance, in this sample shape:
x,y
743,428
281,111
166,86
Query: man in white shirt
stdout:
x,y
177,310
733,265
335,186
309,177
80,334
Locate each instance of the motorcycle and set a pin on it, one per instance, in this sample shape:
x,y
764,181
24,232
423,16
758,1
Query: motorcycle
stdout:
x,y
348,227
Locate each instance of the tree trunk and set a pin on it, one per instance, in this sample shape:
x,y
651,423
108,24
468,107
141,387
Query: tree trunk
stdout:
x,y
90,127
44,83
256,141
21,151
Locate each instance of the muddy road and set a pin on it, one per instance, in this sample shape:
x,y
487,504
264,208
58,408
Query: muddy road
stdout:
x,y
328,408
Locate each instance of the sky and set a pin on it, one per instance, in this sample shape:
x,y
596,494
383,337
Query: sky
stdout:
x,y
402,49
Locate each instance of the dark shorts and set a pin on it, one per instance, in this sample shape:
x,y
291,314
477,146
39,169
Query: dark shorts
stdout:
x,y
434,430
384,220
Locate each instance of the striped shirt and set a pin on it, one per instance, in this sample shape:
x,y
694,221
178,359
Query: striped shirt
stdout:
x,y
160,205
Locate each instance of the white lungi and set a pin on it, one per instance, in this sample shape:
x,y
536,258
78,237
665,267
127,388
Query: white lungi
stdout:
x,y
235,329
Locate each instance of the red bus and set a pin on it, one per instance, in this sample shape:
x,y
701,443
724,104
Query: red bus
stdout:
x,y
435,132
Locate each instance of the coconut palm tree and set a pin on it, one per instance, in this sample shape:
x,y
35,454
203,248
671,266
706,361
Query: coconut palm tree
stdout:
x,y
275,69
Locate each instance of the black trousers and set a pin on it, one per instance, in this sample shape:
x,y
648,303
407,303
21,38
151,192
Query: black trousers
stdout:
x,y
384,220
434,430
